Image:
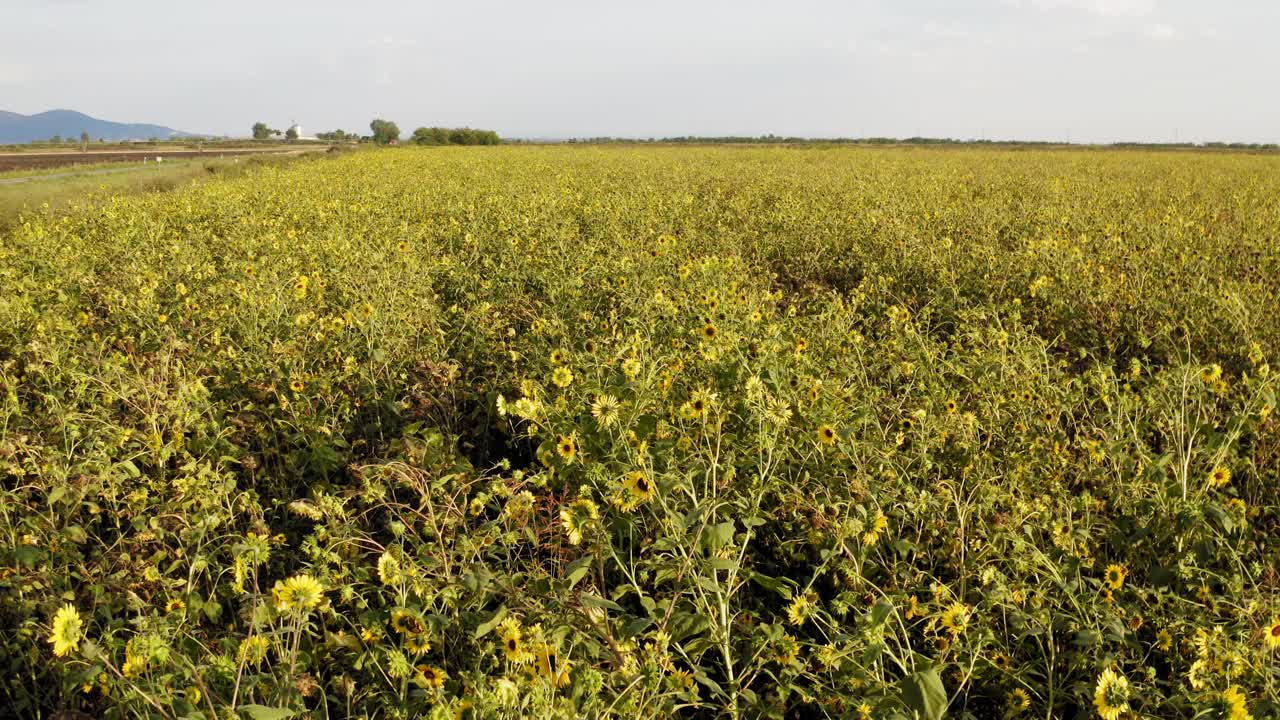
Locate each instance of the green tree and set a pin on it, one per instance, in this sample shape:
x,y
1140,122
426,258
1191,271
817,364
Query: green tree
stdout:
x,y
84,139
384,131
291,134
261,131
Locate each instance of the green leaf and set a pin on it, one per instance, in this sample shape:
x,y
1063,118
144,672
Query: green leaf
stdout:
x,y
487,626
262,712
923,693
577,570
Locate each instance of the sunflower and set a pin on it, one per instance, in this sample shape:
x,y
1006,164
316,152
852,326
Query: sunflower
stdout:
x,y
1235,705
513,641
297,386
1271,638
567,447
709,332
407,622
1164,640
1115,575
878,525
431,677
253,649
801,345
66,633
631,367
1018,701
952,406
639,488
402,246
605,410
827,435
1111,697
389,569
1219,477
1001,662
562,377
551,667
578,516
175,605
956,618
558,357
1211,373
299,593
417,643
800,609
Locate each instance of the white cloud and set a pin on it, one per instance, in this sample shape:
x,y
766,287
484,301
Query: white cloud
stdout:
x,y
1101,8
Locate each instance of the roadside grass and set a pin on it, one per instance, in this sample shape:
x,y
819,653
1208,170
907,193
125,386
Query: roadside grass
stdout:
x,y
89,185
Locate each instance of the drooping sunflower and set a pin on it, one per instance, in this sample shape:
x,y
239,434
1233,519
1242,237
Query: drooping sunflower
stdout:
x,y
417,643
800,609
1235,705
253,649
875,528
1115,575
407,622
955,618
1111,696
66,633
577,517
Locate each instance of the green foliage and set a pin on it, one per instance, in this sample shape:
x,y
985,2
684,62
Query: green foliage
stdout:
x,y
261,131
551,432
384,131
455,136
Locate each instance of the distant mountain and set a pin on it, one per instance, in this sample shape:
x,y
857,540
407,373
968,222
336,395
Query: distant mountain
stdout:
x,y
15,128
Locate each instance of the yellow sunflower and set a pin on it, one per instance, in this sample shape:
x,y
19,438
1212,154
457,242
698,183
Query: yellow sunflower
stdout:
x,y
66,633
1219,477
567,447
562,377
956,618
1235,705
431,677
639,488
552,667
1018,700
800,609
300,593
1111,697
577,517
1115,575
513,641
826,435
1271,636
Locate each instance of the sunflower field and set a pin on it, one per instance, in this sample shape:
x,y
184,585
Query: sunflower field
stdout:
x,y
642,432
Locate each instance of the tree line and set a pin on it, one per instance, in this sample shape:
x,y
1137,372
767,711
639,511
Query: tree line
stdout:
x,y
386,132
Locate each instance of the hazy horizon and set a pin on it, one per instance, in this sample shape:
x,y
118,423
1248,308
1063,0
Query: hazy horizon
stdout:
x,y
1078,70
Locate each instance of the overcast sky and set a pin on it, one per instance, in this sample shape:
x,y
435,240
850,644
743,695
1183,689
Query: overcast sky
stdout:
x,y
1090,70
